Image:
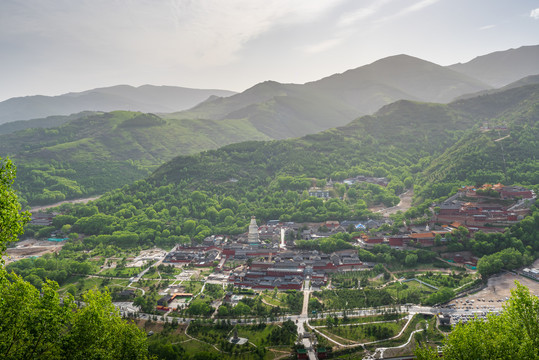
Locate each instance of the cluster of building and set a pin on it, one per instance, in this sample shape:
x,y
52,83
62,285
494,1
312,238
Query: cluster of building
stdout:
x,y
532,273
478,209
382,181
326,192
168,302
267,265
272,262
42,218
289,269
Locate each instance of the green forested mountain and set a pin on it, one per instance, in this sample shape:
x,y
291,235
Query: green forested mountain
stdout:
x,y
410,143
528,80
93,153
400,134
99,152
505,152
48,122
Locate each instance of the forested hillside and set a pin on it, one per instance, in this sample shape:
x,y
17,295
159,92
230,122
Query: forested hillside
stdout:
x,y
409,143
94,153
504,150
91,153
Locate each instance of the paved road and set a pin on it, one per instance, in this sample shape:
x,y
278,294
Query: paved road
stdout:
x,y
141,274
303,319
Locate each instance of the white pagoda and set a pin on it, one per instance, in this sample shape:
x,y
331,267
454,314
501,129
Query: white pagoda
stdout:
x,y
252,238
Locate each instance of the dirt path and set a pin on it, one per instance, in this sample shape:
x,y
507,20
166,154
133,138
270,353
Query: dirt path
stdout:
x,y
31,247
74,201
404,204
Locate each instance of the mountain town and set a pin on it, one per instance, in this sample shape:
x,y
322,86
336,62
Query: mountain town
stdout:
x,y
204,180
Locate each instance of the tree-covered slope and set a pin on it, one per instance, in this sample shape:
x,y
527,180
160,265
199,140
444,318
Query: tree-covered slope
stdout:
x,y
403,134
217,191
48,122
506,151
406,141
99,152
369,142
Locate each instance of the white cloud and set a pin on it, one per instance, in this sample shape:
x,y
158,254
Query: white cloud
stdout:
x,y
172,32
360,14
323,46
363,13
215,31
487,27
535,13
419,5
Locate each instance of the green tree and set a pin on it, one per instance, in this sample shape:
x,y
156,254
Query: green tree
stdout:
x,y
12,220
97,331
37,324
411,260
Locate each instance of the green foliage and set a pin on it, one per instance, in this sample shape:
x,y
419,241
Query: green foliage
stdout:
x,y
441,296
200,307
284,335
38,324
97,152
147,302
482,158
349,299
11,219
57,268
326,245
508,258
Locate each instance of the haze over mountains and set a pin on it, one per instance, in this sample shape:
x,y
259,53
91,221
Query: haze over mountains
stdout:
x,y
93,152
289,110
502,67
407,134
294,107
146,98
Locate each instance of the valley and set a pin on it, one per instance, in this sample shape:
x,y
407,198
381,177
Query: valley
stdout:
x,y
362,215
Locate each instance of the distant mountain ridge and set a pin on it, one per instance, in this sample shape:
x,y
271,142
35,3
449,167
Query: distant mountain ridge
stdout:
x,y
501,68
146,98
404,75
97,151
528,80
291,110
48,122
442,142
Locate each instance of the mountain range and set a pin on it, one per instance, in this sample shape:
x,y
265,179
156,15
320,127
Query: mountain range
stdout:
x,y
345,96
92,152
502,67
146,98
290,110
487,138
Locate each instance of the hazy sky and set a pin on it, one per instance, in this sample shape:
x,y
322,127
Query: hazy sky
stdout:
x,y
52,47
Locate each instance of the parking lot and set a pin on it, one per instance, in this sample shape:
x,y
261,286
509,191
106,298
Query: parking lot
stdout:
x,y
495,294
